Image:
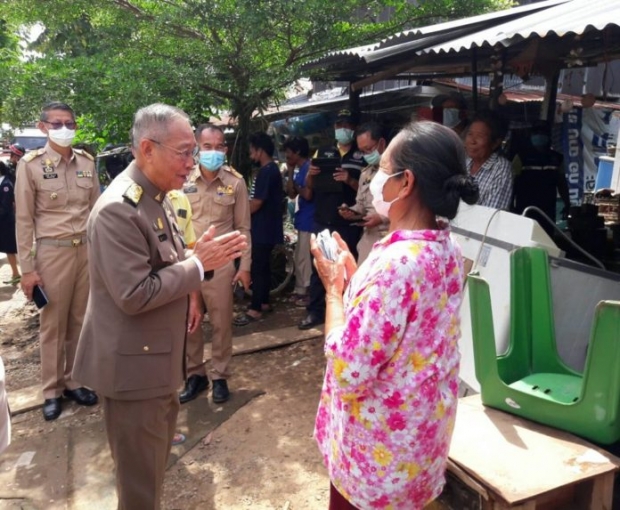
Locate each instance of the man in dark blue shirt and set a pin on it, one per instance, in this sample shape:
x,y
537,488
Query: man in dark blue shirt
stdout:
x,y
296,151
266,201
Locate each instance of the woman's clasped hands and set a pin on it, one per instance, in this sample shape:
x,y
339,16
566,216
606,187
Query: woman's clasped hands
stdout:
x,y
334,274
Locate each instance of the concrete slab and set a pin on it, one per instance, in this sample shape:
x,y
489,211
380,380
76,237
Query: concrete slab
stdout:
x,y
262,340
35,471
25,399
198,417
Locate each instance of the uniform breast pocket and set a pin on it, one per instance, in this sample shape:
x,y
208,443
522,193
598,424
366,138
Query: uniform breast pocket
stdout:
x,y
225,200
84,187
195,203
52,193
144,361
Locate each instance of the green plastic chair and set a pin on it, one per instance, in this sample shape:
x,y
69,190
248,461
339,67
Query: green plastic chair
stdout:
x,y
531,380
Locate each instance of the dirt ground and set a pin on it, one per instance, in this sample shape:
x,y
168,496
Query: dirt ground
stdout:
x,y
263,457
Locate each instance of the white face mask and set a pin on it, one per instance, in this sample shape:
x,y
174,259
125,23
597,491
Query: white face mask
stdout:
x,y
63,136
451,117
376,189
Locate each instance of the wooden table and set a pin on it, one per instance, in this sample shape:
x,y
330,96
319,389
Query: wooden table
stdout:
x,y
514,463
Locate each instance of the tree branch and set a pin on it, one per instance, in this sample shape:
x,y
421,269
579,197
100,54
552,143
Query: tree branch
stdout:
x,y
177,29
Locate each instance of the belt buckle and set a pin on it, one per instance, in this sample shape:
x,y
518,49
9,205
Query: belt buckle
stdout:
x,y
76,242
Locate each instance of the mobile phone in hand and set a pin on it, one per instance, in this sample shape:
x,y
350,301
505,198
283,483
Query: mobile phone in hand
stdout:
x,y
327,245
39,297
357,215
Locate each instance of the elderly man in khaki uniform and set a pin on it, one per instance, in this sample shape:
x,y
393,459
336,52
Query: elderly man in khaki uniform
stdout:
x,y
56,188
218,196
132,346
372,144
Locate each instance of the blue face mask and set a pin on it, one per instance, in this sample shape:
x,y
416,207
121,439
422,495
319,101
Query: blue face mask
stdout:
x,y
451,117
212,160
344,136
539,140
373,158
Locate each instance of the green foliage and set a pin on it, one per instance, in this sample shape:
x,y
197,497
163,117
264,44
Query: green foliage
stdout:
x,y
110,57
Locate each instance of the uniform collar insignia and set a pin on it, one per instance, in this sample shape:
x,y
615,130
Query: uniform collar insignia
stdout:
x,y
134,193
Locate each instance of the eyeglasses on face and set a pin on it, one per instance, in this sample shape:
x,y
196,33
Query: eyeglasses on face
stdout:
x,y
188,153
58,125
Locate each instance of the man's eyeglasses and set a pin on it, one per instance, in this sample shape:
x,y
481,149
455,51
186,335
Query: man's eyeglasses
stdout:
x,y
188,153
57,125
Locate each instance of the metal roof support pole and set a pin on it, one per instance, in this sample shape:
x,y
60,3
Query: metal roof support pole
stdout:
x,y
474,78
547,109
497,76
354,100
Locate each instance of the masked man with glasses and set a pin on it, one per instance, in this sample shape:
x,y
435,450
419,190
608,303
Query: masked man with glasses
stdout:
x,y
56,189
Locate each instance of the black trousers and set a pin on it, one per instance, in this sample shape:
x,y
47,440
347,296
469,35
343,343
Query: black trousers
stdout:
x,y
351,236
261,275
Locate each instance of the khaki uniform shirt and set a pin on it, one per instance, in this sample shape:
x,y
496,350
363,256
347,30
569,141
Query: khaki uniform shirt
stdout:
x,y
363,199
223,203
53,198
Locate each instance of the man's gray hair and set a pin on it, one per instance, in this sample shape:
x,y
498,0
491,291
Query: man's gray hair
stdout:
x,y
152,122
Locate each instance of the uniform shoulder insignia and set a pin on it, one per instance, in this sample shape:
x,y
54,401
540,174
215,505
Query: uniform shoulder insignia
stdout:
x,y
234,172
133,194
84,153
33,154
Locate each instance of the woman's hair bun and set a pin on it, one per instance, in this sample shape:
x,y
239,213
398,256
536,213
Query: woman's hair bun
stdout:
x,y
463,186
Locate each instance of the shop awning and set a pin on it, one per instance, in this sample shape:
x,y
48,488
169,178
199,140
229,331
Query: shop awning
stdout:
x,y
575,17
569,33
357,60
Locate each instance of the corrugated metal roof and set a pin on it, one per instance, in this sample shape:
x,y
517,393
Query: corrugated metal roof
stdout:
x,y
573,17
459,24
423,37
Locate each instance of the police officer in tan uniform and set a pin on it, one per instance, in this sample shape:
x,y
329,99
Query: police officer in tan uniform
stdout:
x,y
132,346
218,196
372,144
56,188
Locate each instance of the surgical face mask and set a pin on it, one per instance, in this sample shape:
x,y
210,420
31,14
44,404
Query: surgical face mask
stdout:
x,y
211,160
63,136
451,117
373,158
344,136
539,141
376,189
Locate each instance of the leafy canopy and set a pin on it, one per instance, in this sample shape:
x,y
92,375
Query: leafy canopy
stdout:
x,y
110,57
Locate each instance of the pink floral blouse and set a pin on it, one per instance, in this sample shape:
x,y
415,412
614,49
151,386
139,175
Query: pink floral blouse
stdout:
x,y
389,396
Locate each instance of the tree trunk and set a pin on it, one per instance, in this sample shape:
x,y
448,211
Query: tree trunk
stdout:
x,y
240,157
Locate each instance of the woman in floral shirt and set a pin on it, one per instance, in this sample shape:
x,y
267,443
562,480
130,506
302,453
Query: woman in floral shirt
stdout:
x,y
389,397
